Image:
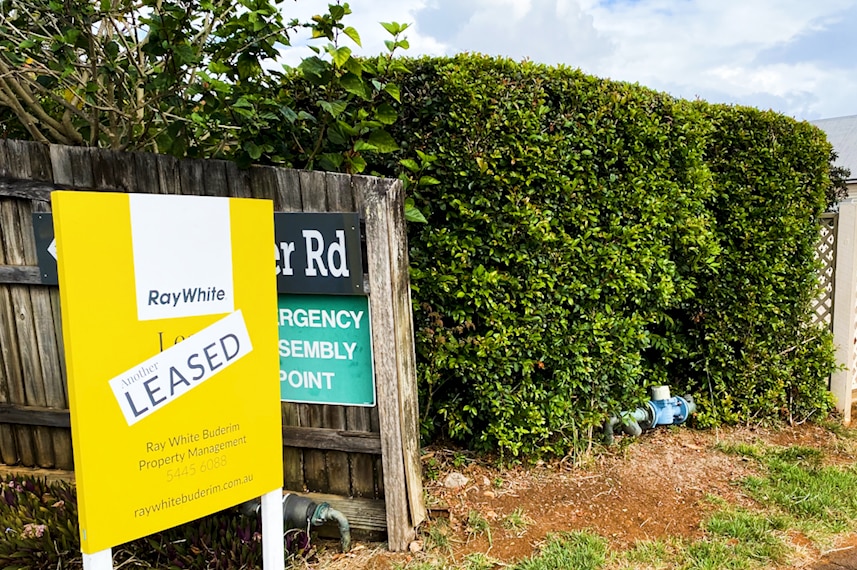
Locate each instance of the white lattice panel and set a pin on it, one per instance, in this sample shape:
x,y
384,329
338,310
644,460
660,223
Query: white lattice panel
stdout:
x,y
825,251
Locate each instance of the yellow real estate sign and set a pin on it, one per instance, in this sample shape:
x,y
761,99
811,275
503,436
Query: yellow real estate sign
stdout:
x,y
167,305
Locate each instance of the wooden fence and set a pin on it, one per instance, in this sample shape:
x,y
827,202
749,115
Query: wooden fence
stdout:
x,y
370,455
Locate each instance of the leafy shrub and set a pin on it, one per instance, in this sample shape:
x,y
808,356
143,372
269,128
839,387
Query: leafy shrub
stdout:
x,y
750,349
587,239
193,80
570,216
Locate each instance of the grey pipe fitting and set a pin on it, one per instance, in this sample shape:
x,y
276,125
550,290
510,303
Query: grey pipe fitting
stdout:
x,y
302,512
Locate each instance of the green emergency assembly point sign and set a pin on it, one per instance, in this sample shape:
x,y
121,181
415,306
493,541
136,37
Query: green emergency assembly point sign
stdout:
x,y
326,350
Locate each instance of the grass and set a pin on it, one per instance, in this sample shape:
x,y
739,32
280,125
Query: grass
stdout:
x,y
478,561
748,536
517,522
478,525
820,498
648,555
735,539
579,550
437,537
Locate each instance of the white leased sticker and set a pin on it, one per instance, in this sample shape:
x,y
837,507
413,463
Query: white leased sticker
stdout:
x,y
153,384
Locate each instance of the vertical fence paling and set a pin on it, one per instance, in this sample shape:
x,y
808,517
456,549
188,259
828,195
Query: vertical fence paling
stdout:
x,y
36,443
32,369
316,473
339,199
9,366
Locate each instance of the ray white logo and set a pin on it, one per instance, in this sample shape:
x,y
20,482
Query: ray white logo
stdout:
x,y
182,256
154,383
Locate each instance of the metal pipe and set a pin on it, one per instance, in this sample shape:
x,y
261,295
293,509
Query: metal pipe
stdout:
x,y
302,512
325,513
633,423
662,409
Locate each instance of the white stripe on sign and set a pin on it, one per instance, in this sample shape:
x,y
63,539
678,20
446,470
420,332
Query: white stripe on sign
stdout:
x,y
182,256
153,384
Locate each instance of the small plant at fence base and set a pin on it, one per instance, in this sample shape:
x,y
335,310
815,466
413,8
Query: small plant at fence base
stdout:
x,y
478,525
39,520
517,522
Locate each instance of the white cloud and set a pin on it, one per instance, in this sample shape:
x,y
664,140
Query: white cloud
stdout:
x,y
791,55
546,31
702,47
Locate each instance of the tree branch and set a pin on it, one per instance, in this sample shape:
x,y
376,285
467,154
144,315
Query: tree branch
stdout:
x,y
38,112
26,119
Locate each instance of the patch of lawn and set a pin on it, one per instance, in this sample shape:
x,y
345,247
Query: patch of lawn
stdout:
x,y
578,550
824,497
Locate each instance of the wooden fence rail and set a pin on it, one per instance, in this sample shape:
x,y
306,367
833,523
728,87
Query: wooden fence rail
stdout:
x,y
364,453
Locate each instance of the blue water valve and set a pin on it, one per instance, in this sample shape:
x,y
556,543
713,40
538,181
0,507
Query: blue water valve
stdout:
x,y
670,410
661,410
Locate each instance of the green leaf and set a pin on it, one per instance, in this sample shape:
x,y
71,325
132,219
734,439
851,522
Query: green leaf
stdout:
x,y
410,164
254,150
392,27
398,65
356,164
337,12
313,67
347,129
352,33
355,66
340,55
383,141
395,28
412,214
355,85
218,67
341,133
335,108
428,181
330,161
361,146
386,114
393,91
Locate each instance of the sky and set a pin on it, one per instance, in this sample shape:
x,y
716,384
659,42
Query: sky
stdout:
x,y
797,57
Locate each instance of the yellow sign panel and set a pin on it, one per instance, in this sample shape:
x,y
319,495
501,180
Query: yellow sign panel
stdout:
x,y
171,357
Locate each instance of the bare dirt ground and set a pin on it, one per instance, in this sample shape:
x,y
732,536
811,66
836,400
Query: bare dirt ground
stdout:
x,y
657,486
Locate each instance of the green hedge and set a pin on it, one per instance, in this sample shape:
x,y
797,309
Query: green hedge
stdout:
x,y
751,353
587,239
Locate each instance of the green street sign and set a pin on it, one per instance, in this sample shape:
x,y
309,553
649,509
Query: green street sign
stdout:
x,y
325,350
